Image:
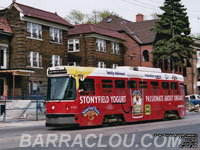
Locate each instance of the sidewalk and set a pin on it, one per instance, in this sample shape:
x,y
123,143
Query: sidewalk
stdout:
x,y
17,124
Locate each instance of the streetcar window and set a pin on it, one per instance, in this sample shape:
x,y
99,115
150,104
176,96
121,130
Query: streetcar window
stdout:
x,y
154,88
87,87
165,85
119,84
132,84
182,89
174,87
107,84
165,88
61,88
143,85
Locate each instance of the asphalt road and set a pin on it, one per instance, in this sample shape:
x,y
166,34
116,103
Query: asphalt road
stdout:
x,y
144,135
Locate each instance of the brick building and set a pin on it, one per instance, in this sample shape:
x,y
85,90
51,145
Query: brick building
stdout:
x,y
138,42
39,41
138,39
196,69
5,40
92,45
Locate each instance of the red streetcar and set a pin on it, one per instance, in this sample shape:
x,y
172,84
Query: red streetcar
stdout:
x,y
87,96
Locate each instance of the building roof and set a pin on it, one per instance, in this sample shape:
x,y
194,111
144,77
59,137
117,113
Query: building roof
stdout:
x,y
140,31
41,14
91,28
4,26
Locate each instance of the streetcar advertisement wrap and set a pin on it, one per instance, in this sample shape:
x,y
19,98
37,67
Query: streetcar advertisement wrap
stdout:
x,y
88,96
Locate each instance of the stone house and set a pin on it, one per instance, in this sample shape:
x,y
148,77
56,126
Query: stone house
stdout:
x,y
39,40
5,40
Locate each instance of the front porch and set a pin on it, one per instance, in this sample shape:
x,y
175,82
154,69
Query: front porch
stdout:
x,y
14,82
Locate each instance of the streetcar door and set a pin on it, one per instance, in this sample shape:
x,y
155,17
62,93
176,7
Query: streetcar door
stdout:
x,y
88,107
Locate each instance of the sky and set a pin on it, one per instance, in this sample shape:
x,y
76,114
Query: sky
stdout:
x,y
125,8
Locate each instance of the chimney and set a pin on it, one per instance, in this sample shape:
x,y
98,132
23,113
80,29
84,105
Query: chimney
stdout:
x,y
139,17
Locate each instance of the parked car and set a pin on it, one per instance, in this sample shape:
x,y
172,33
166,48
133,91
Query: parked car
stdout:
x,y
193,98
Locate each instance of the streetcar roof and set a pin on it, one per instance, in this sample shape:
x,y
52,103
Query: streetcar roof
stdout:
x,y
121,72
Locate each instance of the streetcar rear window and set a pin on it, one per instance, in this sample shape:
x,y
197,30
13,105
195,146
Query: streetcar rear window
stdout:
x,y
182,89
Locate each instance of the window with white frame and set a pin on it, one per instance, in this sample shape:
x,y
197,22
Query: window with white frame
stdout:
x,y
55,35
101,65
34,30
34,59
115,48
73,64
56,60
3,58
100,45
73,45
114,66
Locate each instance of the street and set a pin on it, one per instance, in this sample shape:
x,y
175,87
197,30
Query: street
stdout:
x,y
142,135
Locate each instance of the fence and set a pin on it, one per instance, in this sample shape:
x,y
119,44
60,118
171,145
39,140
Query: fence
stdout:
x,y
22,108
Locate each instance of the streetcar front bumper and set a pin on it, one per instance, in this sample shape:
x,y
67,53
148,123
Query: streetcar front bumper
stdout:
x,y
60,120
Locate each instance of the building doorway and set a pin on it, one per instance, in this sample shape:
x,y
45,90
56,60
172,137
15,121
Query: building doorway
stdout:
x,y
2,87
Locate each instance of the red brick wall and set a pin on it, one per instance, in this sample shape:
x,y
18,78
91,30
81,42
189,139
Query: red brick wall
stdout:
x,y
133,54
131,51
149,48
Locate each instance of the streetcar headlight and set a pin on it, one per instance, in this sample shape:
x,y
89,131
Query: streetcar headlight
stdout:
x,y
53,107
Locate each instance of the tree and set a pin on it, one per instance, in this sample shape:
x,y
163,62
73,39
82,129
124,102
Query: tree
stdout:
x,y
98,16
173,41
76,17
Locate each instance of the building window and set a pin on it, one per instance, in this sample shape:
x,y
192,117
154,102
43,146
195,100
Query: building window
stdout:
x,y
56,60
115,48
73,45
114,66
101,65
100,45
145,55
3,58
34,59
34,30
73,64
55,35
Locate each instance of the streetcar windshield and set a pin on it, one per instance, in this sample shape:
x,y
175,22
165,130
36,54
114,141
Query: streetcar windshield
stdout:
x,y
61,88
